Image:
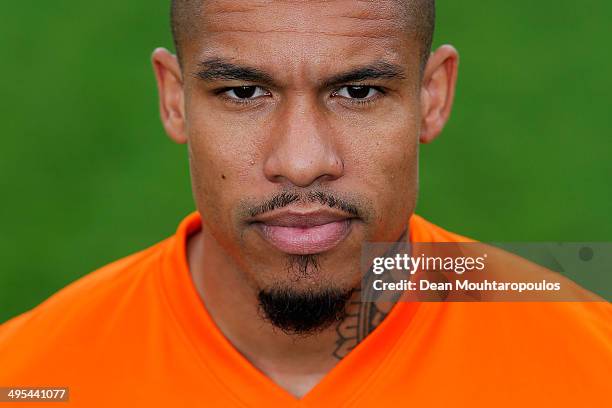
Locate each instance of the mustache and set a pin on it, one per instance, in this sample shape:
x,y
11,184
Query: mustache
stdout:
x,y
286,198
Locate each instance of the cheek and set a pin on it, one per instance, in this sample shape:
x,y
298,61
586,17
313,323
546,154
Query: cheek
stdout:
x,y
386,163
397,188
220,155
379,152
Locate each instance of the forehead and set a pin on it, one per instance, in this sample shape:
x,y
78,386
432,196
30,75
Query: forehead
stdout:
x,y
307,38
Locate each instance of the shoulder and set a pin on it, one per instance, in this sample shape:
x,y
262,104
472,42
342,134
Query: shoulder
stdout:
x,y
72,319
562,336
589,320
93,286
593,319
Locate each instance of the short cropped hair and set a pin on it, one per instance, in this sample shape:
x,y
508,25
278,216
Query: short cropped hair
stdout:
x,y
418,15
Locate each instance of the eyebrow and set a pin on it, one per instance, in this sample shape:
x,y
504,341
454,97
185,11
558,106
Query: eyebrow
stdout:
x,y
377,70
216,69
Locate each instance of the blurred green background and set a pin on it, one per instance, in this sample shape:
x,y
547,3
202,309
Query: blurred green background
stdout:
x,y
87,174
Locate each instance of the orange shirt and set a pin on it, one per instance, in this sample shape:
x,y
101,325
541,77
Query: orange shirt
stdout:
x,y
135,334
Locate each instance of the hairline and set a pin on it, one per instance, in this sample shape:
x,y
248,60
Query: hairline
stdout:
x,y
423,12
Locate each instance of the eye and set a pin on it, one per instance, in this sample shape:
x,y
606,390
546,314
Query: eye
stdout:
x,y
357,92
245,92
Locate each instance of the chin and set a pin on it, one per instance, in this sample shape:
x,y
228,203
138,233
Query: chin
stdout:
x,y
308,274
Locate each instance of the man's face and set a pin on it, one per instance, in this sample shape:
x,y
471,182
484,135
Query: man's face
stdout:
x,y
303,122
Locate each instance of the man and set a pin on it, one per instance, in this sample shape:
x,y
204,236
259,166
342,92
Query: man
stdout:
x,y
302,121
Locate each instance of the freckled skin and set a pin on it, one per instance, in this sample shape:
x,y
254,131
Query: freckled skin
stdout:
x,y
299,136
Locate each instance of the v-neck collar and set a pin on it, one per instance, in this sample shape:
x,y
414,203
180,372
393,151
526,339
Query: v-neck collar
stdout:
x,y
247,385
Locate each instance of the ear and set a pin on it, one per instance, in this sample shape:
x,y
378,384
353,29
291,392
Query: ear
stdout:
x,y
170,87
438,91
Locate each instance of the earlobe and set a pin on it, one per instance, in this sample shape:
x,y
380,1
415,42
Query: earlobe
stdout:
x,y
171,96
438,91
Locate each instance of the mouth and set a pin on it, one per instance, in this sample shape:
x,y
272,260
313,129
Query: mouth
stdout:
x,y
304,233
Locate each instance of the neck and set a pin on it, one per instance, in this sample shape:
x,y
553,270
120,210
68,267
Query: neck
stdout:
x,y
296,363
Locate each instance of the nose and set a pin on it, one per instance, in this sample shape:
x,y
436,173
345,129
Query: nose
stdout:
x,y
302,149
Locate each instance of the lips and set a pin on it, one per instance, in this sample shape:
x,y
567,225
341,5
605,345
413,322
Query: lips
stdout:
x,y
304,233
